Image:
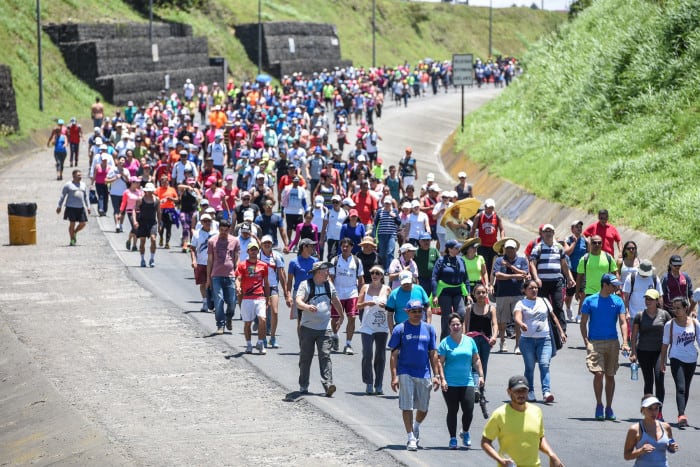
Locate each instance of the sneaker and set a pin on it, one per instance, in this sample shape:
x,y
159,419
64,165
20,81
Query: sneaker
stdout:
x,y
303,390
503,347
72,241
466,439
229,324
219,330
378,391
336,344
204,308
261,348
273,342
152,263
160,242
517,351
531,396
609,414
133,247
118,230
249,348
264,341
412,445
348,350
128,245
453,443
369,390
330,390
682,421
548,397
599,415
143,263
167,246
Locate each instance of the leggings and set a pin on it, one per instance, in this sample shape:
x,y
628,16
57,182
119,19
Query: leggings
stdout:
x,y
457,396
60,158
650,364
682,375
167,227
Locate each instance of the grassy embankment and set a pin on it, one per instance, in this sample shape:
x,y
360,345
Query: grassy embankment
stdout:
x,y
405,31
607,116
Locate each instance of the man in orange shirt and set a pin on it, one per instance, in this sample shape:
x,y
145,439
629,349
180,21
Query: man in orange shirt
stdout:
x,y
253,286
217,117
168,197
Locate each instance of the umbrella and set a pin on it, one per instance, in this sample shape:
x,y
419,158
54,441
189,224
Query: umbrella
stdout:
x,y
263,78
458,213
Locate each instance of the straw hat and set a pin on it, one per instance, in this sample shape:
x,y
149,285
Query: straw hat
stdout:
x,y
499,246
367,240
474,241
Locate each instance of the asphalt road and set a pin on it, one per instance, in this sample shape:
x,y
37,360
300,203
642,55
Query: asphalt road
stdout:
x,y
569,423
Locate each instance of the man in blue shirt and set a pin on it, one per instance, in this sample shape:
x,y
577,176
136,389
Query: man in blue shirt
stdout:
x,y
400,296
298,271
600,313
413,353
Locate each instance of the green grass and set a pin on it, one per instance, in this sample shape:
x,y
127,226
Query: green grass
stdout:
x,y
405,31
606,116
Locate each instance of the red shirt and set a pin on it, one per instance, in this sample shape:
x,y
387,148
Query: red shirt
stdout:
x,y
607,232
253,277
488,229
366,206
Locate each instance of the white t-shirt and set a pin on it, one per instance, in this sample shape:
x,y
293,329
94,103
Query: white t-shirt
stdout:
x,y
374,318
335,223
346,272
436,209
199,243
321,318
684,339
535,316
641,285
275,263
417,224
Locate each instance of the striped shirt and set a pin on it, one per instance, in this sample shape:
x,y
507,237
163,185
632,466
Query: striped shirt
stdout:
x,y
548,260
385,224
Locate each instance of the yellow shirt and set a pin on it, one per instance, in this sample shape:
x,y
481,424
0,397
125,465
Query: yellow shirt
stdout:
x,y
518,433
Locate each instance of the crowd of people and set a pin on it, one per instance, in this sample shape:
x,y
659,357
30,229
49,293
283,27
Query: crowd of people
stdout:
x,y
263,171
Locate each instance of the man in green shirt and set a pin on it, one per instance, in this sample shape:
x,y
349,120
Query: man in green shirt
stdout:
x,y
425,259
591,268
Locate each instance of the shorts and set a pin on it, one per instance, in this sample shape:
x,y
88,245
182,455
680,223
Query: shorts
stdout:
x,y
504,308
252,307
292,220
349,306
603,356
414,393
200,274
146,230
75,214
274,290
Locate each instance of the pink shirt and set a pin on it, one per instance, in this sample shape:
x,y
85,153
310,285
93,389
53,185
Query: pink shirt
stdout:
x,y
225,250
101,174
216,198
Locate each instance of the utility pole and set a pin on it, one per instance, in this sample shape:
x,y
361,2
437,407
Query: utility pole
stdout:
x,y
490,24
374,31
259,36
38,41
150,21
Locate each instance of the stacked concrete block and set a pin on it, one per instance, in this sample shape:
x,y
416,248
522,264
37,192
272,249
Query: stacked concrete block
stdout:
x,y
9,122
292,47
119,60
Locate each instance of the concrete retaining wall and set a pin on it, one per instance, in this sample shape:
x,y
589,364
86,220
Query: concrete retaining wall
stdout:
x,y
315,46
524,208
9,122
73,32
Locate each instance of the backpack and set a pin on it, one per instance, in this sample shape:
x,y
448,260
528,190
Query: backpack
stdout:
x,y
655,281
311,287
356,260
307,231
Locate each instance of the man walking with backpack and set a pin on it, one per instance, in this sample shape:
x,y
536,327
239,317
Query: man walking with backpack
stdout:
x,y
591,268
314,300
348,277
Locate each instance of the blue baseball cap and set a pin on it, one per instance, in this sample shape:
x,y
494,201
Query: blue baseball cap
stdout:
x,y
425,236
452,243
610,279
413,304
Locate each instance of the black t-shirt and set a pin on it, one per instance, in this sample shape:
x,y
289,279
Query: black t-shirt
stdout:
x,y
368,261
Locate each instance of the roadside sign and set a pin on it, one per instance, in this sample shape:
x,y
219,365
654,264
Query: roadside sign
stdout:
x,y
463,69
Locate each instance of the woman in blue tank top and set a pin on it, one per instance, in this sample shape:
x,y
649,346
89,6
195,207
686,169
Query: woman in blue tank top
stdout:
x,y
649,441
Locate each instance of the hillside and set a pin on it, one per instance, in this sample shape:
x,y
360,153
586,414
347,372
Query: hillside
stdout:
x,y
405,31
606,116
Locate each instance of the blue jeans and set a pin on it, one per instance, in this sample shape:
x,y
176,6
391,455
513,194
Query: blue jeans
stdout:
x,y
484,349
387,245
224,293
537,350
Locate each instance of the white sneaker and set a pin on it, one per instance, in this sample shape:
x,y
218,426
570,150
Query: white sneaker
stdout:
x,y
548,397
578,318
503,347
348,350
517,351
261,348
531,396
412,445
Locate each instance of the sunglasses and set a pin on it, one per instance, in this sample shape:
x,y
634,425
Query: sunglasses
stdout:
x,y
376,273
596,243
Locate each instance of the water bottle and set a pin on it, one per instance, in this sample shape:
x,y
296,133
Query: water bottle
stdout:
x,y
670,442
635,371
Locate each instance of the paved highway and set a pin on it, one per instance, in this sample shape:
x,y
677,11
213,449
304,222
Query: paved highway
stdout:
x,y
569,423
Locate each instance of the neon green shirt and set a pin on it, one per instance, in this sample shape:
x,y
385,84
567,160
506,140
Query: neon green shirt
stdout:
x,y
596,266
